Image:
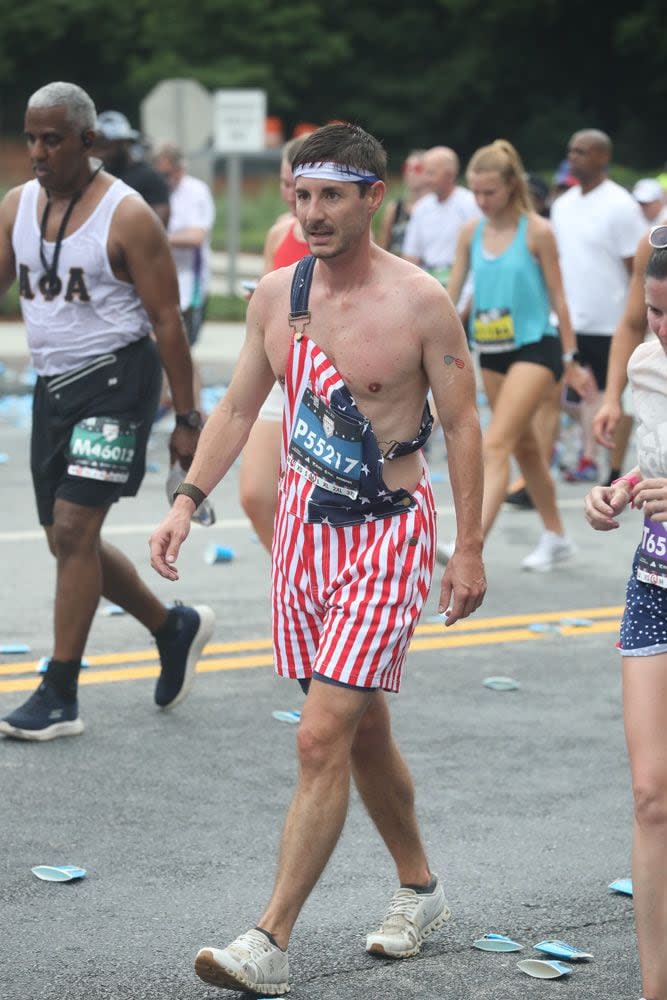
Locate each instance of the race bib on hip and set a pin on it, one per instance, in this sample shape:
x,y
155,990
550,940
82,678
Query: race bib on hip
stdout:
x,y
326,448
102,448
652,563
493,330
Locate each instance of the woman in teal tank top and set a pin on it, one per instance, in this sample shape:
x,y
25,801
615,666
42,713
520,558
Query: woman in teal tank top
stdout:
x,y
512,257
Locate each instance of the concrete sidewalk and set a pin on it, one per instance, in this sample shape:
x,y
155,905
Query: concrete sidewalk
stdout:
x,y
216,351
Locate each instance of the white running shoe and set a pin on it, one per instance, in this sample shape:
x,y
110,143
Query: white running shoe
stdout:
x,y
550,550
444,552
411,917
250,963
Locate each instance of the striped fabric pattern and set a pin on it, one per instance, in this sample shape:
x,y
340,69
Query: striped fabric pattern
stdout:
x,y
345,597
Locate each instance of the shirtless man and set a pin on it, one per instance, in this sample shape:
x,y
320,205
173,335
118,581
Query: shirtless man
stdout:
x,y
95,276
354,540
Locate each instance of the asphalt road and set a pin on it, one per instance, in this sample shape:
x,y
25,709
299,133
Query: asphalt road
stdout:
x,y
524,796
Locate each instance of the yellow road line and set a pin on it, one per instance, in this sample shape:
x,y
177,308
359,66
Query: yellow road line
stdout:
x,y
449,640
242,645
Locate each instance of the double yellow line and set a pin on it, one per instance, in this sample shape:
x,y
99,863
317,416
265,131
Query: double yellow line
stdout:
x,y
244,654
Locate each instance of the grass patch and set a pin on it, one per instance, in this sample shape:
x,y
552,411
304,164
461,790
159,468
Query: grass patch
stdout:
x,y
259,210
226,309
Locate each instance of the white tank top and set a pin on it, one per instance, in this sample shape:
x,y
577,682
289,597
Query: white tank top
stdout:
x,y
94,312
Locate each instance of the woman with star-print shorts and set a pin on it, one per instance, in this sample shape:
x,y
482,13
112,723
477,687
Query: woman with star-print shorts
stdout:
x,y
643,638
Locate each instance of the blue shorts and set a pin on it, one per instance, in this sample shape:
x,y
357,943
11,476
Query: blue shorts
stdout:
x,y
644,622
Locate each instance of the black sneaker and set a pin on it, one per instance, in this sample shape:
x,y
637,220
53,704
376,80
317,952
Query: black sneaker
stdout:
x,y
44,716
520,498
189,629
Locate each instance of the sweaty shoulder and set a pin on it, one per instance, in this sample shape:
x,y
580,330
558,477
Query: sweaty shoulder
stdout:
x,y
412,282
281,226
132,212
468,228
273,287
538,225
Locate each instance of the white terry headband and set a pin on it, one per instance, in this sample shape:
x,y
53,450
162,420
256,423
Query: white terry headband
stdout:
x,y
334,172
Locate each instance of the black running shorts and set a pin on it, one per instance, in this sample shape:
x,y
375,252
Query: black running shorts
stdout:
x,y
546,352
90,428
593,349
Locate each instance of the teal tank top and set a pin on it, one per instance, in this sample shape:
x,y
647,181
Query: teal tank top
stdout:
x,y
510,299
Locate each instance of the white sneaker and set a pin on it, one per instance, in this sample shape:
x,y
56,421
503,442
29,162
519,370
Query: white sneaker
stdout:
x,y
550,550
411,917
250,963
444,552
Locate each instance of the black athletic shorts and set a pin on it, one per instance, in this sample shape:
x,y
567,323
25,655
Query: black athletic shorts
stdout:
x,y
90,428
594,354
546,352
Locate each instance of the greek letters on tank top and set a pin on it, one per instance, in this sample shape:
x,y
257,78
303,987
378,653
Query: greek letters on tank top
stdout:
x,y
93,312
331,459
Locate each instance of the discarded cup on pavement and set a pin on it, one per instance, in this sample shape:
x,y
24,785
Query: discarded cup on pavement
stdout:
x,y
540,969
622,886
501,683
497,942
576,622
218,554
112,609
559,949
58,873
543,627
291,717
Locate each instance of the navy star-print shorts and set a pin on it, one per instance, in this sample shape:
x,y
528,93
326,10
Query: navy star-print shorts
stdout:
x,y
644,622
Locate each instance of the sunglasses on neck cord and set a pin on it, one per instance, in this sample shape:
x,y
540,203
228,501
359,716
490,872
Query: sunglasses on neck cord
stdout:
x,y
658,237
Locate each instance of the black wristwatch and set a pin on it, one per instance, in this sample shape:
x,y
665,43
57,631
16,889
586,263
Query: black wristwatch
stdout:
x,y
191,419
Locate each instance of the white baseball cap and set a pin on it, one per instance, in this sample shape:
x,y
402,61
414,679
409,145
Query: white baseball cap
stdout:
x,y
114,125
648,189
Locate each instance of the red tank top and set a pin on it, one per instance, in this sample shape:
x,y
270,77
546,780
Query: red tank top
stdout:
x,y
289,250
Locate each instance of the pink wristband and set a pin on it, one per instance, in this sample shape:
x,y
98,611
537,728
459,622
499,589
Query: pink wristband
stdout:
x,y
632,481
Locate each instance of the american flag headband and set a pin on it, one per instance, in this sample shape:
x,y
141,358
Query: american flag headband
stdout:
x,y
335,172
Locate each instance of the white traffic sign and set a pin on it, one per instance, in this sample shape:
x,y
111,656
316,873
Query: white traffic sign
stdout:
x,y
239,121
179,111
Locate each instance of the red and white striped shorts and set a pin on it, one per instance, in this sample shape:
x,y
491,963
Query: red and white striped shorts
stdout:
x,y
346,600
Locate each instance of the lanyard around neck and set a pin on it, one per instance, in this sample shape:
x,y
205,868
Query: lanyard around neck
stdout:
x,y
50,283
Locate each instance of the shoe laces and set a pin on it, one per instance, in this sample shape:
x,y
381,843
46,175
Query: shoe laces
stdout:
x,y
403,903
252,945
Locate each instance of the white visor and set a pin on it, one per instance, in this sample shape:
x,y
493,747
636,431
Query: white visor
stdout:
x,y
335,172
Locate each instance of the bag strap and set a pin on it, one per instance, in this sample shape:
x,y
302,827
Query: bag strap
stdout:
x,y
299,316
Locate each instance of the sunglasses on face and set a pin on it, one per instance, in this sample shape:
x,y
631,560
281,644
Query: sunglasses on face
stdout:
x,y
658,237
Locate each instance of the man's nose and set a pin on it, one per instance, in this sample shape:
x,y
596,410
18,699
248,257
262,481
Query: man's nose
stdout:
x,y
315,209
